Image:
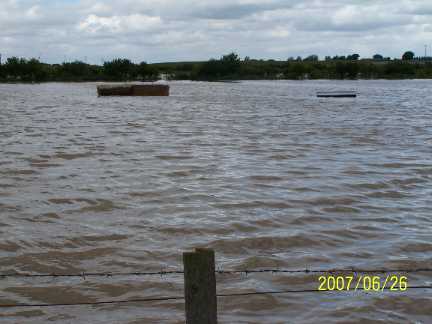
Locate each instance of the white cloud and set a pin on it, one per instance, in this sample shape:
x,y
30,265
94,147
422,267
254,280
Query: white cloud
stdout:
x,y
159,30
119,24
33,12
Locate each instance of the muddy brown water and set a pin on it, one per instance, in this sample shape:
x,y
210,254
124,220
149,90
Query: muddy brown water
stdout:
x,y
265,173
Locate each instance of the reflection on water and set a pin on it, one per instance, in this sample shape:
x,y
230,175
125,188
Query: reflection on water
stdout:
x,y
263,172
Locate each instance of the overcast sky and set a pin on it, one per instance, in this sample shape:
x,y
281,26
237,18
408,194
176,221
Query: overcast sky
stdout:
x,y
178,30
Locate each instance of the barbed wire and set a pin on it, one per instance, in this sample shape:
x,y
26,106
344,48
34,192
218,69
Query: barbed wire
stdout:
x,y
331,271
128,301
155,299
84,275
280,292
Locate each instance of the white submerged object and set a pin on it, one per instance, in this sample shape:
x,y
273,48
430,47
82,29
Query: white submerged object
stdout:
x,y
336,94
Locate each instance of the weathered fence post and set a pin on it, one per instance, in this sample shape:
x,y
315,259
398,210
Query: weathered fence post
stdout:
x,y
200,287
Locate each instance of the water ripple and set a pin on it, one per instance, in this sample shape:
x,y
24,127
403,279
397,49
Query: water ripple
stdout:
x,y
263,172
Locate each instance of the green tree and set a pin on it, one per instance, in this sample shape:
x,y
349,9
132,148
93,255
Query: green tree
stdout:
x,y
145,71
312,58
227,66
74,70
119,69
408,56
378,57
353,57
36,71
210,70
339,58
24,70
347,70
230,63
14,67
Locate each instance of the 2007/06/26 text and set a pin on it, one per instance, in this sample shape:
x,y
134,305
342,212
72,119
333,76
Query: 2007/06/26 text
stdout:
x,y
366,283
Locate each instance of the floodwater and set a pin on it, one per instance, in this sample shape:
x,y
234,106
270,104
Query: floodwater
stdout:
x,y
265,173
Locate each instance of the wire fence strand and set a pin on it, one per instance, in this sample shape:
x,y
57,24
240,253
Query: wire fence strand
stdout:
x,y
128,301
84,275
331,271
156,299
90,274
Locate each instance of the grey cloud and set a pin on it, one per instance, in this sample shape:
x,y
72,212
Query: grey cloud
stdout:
x,y
418,7
236,11
158,30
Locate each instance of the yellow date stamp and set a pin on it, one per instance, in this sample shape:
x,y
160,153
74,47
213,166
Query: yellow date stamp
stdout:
x,y
368,283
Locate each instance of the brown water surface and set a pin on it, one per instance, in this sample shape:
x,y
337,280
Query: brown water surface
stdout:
x,y
263,172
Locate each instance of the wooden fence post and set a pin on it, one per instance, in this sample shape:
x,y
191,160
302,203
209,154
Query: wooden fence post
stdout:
x,y
200,287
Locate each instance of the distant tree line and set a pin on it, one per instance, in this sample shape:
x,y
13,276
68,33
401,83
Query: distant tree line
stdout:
x,y
228,67
19,69
232,67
